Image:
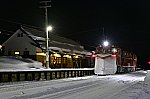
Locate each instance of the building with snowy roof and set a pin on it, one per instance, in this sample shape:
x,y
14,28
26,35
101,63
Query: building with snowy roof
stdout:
x,y
30,43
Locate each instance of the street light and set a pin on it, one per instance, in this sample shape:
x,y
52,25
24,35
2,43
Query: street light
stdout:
x,y
105,43
46,4
49,28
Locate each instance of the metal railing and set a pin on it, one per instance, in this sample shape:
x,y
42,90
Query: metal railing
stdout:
x,y
31,75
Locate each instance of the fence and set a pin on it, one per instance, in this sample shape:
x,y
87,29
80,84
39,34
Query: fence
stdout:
x,y
31,75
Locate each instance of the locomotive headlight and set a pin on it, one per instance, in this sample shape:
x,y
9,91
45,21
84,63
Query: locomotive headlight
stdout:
x,y
114,50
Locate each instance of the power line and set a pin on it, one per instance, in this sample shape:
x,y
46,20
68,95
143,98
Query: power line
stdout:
x,y
8,32
22,24
18,23
90,30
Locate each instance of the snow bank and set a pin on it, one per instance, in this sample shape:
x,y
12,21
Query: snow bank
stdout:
x,y
13,63
147,78
140,90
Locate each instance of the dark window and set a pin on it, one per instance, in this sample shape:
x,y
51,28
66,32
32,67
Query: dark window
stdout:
x,y
26,53
18,35
21,35
9,53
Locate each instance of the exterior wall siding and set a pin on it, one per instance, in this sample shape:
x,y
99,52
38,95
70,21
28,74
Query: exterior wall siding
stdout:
x,y
20,44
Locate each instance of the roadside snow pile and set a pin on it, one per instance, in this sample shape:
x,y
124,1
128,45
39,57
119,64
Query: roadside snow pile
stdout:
x,y
13,63
147,78
139,90
142,89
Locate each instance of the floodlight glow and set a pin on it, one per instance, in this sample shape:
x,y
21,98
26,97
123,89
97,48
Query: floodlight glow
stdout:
x,y
0,46
49,28
114,55
68,56
76,56
114,50
105,43
57,55
93,55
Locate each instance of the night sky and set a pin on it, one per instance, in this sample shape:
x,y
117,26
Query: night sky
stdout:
x,y
126,22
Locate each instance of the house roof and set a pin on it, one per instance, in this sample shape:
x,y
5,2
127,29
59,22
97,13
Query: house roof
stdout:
x,y
52,36
55,41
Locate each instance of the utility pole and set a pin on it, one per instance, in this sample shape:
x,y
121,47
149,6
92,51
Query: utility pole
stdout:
x,y
46,4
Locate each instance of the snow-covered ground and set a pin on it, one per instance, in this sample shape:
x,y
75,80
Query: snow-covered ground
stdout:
x,y
18,63
123,86
11,63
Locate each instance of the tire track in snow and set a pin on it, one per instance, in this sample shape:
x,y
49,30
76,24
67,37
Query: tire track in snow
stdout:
x,y
54,93
71,89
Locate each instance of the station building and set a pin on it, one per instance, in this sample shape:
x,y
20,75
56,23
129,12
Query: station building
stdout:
x,y
64,53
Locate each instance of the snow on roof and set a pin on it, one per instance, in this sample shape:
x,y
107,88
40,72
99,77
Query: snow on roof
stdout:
x,y
53,37
54,40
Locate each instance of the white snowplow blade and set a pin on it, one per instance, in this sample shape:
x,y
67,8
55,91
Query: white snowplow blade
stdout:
x,y
105,65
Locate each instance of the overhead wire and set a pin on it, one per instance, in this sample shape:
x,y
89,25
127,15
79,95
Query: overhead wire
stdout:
x,y
22,24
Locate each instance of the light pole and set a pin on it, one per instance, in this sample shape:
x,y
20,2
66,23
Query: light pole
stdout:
x,y
49,28
45,5
0,49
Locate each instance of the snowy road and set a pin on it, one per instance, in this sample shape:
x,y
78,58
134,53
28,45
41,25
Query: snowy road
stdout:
x,y
91,87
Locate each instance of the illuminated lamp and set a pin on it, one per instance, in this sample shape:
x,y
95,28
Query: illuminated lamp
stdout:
x,y
114,55
114,50
76,56
68,56
49,28
148,62
0,46
93,55
57,55
105,43
17,53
